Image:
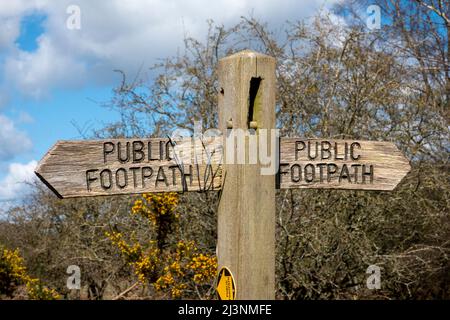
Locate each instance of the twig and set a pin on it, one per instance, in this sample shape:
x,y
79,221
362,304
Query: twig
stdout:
x,y
125,292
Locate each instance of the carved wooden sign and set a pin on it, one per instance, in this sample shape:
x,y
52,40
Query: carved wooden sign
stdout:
x,y
340,164
246,211
126,166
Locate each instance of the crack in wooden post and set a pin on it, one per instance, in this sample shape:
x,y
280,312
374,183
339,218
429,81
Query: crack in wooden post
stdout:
x,y
246,215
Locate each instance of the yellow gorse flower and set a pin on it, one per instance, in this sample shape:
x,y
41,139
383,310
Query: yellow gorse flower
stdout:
x,y
156,205
204,267
173,268
131,252
12,266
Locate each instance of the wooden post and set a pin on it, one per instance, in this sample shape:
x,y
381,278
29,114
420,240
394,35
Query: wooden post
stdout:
x,y
246,215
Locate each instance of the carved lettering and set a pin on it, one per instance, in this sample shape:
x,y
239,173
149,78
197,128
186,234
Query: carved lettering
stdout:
x,y
90,179
108,147
120,155
138,153
106,185
125,178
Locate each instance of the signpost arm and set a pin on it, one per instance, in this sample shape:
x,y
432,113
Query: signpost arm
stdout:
x,y
246,215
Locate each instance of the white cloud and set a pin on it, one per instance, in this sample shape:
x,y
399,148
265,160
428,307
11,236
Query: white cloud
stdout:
x,y
16,182
119,34
33,72
10,31
337,28
11,13
12,140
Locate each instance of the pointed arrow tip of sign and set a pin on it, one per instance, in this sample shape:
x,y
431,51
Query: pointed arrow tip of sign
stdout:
x,y
36,172
40,172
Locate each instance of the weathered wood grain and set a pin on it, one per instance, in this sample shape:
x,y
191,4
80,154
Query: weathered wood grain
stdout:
x,y
383,164
93,168
68,166
246,215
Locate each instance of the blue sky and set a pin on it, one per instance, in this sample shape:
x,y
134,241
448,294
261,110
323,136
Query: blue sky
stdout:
x,y
52,75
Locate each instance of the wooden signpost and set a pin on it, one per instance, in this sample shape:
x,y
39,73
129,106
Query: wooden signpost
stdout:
x,y
126,166
246,214
340,164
